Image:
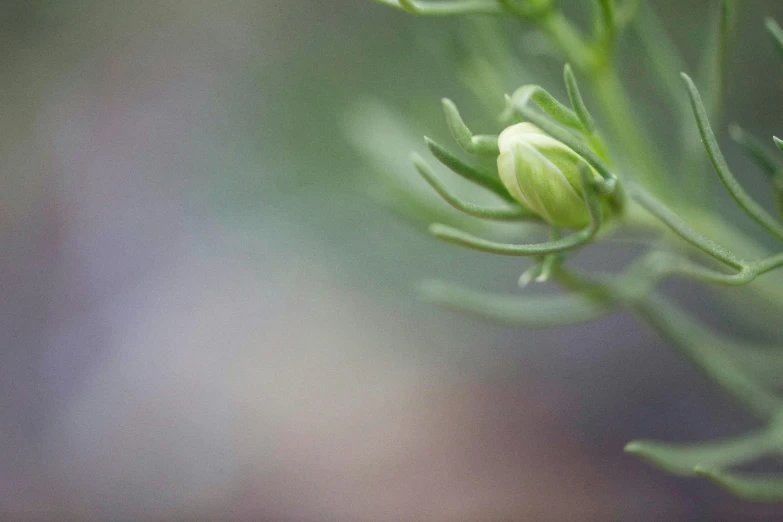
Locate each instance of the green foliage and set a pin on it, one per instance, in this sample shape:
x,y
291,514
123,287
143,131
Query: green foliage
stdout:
x,y
634,186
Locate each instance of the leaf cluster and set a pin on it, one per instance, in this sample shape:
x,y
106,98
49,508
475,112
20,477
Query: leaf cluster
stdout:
x,y
637,183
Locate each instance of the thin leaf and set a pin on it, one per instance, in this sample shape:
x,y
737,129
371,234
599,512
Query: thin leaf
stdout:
x,y
753,209
577,102
768,162
481,144
481,177
537,312
663,54
751,487
776,33
445,8
682,229
705,349
500,214
606,20
714,65
571,141
548,104
682,459
462,238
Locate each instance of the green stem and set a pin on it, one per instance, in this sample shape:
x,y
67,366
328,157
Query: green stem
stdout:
x,y
568,39
612,97
627,131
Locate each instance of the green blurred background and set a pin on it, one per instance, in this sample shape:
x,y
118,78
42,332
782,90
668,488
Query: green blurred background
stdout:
x,y
209,310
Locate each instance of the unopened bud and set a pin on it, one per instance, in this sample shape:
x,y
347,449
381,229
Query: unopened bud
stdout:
x,y
543,174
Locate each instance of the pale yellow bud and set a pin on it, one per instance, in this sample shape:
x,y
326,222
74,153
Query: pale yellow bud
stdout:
x,y
543,174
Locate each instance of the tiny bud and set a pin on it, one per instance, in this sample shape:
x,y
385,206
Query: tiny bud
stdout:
x,y
543,174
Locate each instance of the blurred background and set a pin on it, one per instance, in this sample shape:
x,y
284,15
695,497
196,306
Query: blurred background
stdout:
x,y
208,309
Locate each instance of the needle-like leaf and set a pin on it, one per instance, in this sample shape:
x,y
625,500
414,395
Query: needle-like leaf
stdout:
x,y
663,54
682,459
704,348
445,8
531,11
776,33
571,141
578,104
459,237
537,312
682,229
750,487
480,144
714,66
768,162
753,209
547,103
476,175
606,14
627,12
517,213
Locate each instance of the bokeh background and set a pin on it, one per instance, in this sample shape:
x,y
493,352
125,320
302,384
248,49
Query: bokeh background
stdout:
x,y
208,310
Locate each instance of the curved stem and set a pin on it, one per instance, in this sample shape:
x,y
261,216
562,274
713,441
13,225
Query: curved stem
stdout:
x,y
607,30
690,269
612,97
745,276
568,39
628,131
661,52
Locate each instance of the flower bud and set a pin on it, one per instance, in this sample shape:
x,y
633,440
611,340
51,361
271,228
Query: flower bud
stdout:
x,y
543,174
